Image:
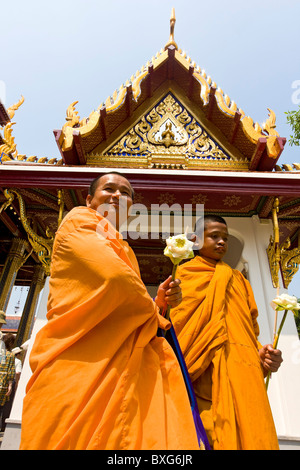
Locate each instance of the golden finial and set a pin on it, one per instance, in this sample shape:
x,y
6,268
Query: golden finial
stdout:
x,y
171,41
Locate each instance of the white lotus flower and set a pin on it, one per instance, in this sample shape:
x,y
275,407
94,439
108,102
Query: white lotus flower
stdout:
x,y
286,302
179,248
282,302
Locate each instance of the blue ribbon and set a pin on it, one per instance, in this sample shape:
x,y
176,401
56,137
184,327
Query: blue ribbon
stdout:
x,y
171,337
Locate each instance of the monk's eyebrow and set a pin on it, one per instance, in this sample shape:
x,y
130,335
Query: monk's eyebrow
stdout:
x,y
218,232
115,186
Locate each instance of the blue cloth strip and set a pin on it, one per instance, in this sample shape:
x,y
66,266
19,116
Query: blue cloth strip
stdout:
x,y
171,337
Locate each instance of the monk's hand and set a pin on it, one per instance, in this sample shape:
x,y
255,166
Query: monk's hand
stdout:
x,y
169,293
270,358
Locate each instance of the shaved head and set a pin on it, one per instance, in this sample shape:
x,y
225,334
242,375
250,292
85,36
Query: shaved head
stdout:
x,y
209,218
95,182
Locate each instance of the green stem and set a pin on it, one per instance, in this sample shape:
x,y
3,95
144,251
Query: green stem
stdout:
x,y
173,279
275,343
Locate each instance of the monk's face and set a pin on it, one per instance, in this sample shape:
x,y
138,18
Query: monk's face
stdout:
x,y
112,198
215,239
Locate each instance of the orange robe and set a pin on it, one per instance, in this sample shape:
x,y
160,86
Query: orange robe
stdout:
x,y
102,379
216,326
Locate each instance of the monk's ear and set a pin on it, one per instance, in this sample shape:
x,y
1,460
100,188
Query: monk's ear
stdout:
x,y
198,242
88,200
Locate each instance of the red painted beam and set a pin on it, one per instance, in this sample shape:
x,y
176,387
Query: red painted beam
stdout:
x,y
235,126
267,163
47,176
103,122
171,58
258,152
128,100
191,82
57,135
78,147
211,102
150,81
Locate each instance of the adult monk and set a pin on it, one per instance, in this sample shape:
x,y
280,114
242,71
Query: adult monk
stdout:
x,y
102,378
216,326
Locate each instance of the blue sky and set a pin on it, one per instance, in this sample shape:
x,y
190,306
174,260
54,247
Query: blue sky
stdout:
x,y
54,53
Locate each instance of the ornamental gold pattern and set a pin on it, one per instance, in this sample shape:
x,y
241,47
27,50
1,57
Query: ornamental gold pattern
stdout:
x,y
290,261
167,134
42,246
253,131
273,250
8,149
13,108
280,257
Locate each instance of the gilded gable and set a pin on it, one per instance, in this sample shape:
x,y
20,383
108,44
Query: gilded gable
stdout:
x,y
167,136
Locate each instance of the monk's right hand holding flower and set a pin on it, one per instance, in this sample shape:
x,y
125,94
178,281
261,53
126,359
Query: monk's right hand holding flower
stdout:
x,y
169,292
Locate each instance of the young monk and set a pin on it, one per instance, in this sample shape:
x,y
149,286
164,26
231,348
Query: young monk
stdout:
x,y
216,325
102,378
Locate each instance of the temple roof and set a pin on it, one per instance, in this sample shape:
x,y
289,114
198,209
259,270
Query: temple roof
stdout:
x,y
248,145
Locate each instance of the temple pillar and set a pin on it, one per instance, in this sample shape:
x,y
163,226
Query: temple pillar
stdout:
x,y
14,261
29,310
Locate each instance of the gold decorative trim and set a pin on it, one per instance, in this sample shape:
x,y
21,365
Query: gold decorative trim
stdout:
x,y
273,250
167,136
8,150
42,246
290,260
254,132
279,256
13,108
270,124
85,126
61,204
286,167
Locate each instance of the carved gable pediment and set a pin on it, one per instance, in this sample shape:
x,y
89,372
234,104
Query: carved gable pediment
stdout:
x,y
168,136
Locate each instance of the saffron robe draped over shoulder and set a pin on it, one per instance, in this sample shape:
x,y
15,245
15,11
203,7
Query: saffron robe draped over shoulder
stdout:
x,y
217,329
102,378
